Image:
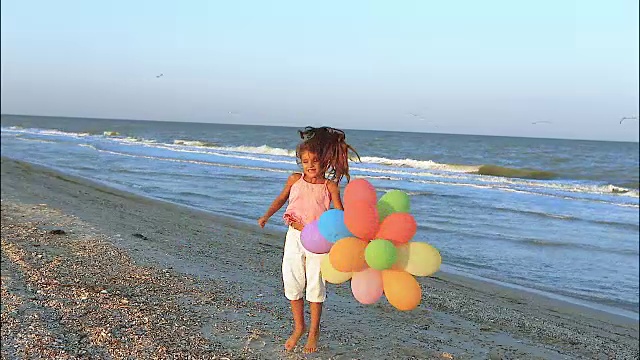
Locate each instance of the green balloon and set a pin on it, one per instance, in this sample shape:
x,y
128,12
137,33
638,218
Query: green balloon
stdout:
x,y
392,202
380,254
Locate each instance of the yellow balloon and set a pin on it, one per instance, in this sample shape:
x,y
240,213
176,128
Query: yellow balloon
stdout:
x,y
417,258
332,275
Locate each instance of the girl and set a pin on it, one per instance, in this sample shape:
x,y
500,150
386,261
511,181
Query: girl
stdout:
x,y
324,156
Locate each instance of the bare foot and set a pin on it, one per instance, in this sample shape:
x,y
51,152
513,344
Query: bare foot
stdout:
x,y
312,343
293,339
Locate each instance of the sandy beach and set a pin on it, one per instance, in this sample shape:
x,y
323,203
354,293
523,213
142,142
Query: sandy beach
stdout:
x,y
89,271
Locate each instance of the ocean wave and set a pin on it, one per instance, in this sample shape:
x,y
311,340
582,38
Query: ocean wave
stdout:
x,y
420,164
488,182
219,151
88,146
35,140
193,194
264,150
491,170
197,162
495,170
571,245
46,132
258,150
487,174
628,185
63,133
561,217
196,143
460,179
476,235
372,174
135,140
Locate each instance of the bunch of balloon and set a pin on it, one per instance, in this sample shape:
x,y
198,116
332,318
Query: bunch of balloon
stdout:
x,y
370,243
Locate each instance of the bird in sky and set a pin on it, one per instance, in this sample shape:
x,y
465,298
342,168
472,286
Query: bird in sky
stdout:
x,y
418,116
628,118
159,76
541,122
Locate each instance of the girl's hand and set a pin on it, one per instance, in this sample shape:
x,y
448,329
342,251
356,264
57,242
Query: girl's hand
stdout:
x,y
263,221
298,226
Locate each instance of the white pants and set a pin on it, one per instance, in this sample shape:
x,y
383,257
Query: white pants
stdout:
x,y
299,268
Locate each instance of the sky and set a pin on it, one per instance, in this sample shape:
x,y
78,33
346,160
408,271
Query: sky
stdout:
x,y
466,67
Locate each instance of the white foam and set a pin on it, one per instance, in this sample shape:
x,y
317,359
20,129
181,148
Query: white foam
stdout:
x,y
196,143
45,132
134,140
198,162
264,149
419,164
36,140
221,154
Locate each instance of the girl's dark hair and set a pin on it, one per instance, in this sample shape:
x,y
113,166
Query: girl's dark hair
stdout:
x,y
332,150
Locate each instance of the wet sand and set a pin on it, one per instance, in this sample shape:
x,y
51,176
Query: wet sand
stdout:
x,y
136,276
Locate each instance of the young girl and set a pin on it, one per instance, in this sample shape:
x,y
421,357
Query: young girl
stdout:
x,y
324,156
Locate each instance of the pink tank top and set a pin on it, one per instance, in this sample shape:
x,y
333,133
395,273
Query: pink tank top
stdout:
x,y
307,201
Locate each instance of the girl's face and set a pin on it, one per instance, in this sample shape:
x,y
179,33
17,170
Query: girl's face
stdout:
x,y
310,164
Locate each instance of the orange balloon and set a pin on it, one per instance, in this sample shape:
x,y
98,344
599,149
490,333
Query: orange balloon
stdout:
x,y
398,228
347,255
401,289
360,190
361,218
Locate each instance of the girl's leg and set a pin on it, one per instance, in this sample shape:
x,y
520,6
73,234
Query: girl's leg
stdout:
x,y
314,329
293,276
297,309
315,294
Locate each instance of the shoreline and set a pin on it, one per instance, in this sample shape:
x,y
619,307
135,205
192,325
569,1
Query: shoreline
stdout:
x,y
455,275
465,317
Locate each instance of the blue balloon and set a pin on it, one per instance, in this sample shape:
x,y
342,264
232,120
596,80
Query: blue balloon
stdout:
x,y
331,225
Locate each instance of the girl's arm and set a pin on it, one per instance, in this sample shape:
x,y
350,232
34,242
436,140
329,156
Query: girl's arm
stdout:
x,y
334,190
280,199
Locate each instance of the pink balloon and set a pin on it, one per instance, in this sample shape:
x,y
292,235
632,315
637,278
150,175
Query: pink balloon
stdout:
x,y
366,286
359,190
313,241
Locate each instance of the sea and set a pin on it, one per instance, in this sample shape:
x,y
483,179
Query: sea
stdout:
x,y
553,217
